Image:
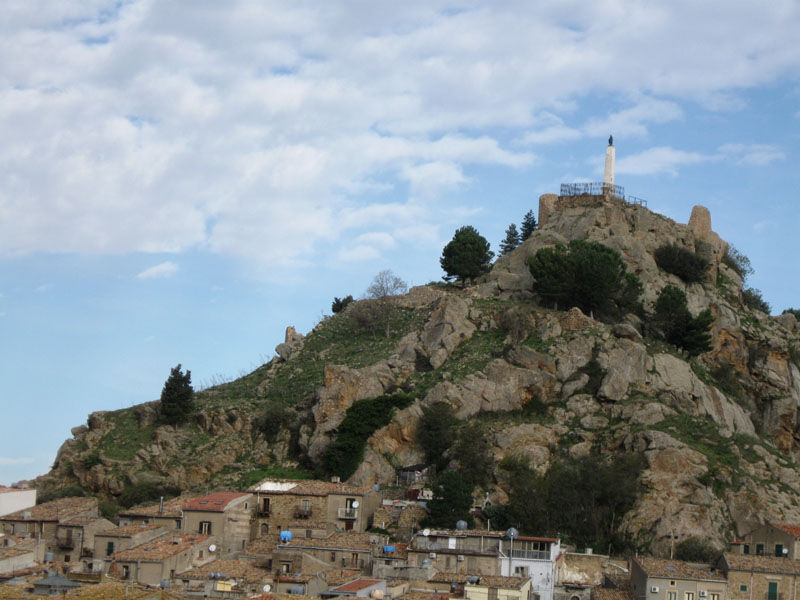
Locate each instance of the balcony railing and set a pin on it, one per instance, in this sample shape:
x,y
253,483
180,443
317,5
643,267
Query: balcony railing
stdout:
x,y
348,513
262,512
65,542
531,554
302,512
592,189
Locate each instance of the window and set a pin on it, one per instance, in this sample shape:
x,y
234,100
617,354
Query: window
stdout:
x,y
265,506
126,571
672,595
520,571
264,528
109,548
67,558
779,550
747,549
688,596
205,527
742,588
714,596
286,567
243,544
333,556
177,523
472,564
308,534
759,549
448,562
172,573
672,583
200,554
306,505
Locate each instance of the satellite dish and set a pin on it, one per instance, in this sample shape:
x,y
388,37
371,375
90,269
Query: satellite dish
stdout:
x,y
512,533
212,548
267,588
461,525
426,532
355,504
785,551
376,594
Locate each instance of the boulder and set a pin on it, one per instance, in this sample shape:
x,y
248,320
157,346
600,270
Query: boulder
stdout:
x,y
448,326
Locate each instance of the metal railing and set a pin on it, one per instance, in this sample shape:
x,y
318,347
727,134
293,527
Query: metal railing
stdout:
x,y
302,512
530,554
348,513
592,189
637,201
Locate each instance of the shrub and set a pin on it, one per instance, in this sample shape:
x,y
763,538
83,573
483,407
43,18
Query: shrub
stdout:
x,y
473,451
177,396
753,299
362,419
694,549
676,324
70,491
680,261
588,275
274,417
437,433
452,501
737,262
339,304
91,459
793,311
146,491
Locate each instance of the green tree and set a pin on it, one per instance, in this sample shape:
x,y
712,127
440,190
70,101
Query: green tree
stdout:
x,y
339,304
529,225
511,241
794,311
676,324
753,299
687,265
738,262
473,452
437,433
451,502
177,396
694,549
588,275
466,256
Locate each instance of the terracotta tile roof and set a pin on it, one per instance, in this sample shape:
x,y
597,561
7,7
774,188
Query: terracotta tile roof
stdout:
x,y
160,548
336,577
234,569
55,510
466,532
294,578
358,585
5,490
309,487
13,551
400,552
341,540
426,595
14,593
677,569
762,564
599,593
265,544
129,530
216,502
114,590
504,583
793,530
172,508
82,521
445,577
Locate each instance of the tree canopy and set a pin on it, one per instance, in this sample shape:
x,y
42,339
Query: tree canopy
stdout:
x,y
511,241
682,262
588,275
452,501
676,324
177,396
529,225
466,256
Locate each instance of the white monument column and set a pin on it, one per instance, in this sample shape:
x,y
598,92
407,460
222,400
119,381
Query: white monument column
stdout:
x,y
608,174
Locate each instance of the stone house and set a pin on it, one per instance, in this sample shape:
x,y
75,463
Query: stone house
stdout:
x,y
289,504
15,558
300,585
111,541
161,558
225,515
224,578
41,522
662,579
359,588
494,588
771,539
166,513
578,575
75,539
16,499
470,552
760,577
533,558
343,549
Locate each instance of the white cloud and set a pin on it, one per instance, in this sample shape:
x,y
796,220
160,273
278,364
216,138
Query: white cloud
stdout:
x,y
661,159
162,270
757,155
130,128
6,461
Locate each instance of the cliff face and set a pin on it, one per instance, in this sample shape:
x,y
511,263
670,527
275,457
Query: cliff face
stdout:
x,y
720,432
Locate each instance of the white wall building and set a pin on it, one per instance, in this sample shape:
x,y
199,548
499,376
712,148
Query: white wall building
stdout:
x,y
14,499
531,557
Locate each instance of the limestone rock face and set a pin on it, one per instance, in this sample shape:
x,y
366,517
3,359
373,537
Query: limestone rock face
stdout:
x,y
448,326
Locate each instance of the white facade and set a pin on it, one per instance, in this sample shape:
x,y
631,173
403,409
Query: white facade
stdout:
x,y
534,558
14,499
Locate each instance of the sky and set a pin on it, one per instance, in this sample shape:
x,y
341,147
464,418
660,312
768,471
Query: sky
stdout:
x,y
180,181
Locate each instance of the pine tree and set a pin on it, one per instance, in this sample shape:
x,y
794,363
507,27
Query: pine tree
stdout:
x,y
511,241
529,225
466,256
177,397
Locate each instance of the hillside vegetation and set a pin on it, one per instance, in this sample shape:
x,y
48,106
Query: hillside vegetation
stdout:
x,y
518,390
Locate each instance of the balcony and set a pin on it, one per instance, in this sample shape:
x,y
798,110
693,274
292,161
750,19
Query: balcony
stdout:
x,y
65,542
302,512
348,513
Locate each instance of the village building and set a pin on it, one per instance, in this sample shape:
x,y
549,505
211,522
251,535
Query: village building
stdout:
x,y
771,539
75,539
15,558
54,585
359,588
475,552
165,513
16,499
224,579
160,559
493,588
662,579
225,515
287,503
41,523
760,577
579,574
299,584
344,549
109,542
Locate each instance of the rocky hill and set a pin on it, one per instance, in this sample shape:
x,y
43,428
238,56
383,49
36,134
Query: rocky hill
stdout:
x,y
719,431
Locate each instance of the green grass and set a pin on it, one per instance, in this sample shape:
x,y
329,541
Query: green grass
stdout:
x,y
125,438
